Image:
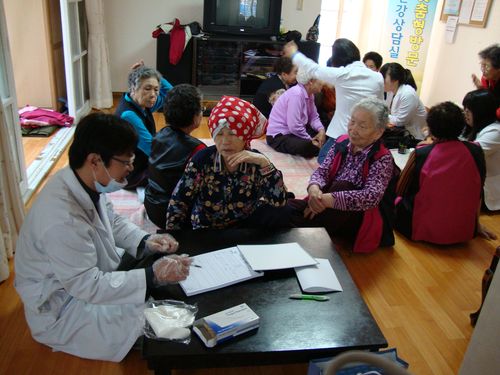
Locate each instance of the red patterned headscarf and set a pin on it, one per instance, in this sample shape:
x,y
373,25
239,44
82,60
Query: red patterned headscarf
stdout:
x,y
238,115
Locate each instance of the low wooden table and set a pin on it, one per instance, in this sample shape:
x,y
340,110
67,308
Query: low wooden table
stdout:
x,y
291,331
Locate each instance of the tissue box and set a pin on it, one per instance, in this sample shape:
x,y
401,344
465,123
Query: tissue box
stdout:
x,y
226,324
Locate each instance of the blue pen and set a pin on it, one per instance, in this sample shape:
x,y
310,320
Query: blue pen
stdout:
x,y
310,297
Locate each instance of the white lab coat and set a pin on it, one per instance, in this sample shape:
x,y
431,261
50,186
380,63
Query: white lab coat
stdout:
x,y
352,83
65,264
489,140
406,109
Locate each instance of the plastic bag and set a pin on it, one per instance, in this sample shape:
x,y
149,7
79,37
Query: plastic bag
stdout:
x,y
169,320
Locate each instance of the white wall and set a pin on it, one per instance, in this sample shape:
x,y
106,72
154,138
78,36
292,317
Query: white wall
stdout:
x,y
449,66
129,24
27,29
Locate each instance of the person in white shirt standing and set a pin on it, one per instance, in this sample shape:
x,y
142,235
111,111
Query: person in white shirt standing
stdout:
x,y
405,107
352,80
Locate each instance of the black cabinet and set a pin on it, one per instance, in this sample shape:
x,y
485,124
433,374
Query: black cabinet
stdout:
x,y
237,66
181,72
225,65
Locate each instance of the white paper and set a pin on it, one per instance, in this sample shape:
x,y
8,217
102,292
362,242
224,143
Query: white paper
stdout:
x,y
318,278
275,257
401,159
219,268
451,29
451,7
465,11
479,10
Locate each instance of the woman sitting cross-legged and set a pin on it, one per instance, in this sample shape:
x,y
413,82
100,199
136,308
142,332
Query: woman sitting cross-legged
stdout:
x,y
441,184
352,192
294,124
228,184
172,148
482,127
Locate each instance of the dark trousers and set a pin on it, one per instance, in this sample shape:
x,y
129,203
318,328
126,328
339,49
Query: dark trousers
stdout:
x,y
342,224
291,144
157,213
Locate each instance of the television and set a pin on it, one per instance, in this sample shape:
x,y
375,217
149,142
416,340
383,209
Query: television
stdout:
x,y
242,17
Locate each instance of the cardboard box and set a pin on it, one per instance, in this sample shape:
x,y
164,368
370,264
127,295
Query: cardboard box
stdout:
x,y
226,324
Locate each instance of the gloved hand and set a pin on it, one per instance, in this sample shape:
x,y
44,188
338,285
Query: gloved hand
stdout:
x,y
171,269
161,243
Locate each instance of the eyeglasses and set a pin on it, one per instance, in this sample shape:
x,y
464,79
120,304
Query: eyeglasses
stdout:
x,y
485,66
126,163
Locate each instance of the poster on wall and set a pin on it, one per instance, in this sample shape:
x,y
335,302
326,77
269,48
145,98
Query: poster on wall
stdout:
x,y
407,34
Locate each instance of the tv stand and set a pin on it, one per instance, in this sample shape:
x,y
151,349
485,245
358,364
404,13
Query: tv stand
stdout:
x,y
236,65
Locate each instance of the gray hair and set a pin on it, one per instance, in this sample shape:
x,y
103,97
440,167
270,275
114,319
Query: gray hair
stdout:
x,y
304,76
141,73
377,108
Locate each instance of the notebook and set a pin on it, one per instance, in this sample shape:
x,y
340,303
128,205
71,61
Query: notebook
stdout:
x,y
319,278
215,270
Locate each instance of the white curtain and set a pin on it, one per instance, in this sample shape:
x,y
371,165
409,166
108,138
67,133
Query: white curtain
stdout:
x,y
101,95
11,204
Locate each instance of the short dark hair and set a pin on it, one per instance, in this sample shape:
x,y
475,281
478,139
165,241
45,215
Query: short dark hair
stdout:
x,y
283,65
398,73
492,53
483,105
446,121
344,52
182,103
375,57
103,134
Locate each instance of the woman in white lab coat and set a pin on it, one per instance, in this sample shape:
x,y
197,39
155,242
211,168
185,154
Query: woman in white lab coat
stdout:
x,y
480,115
71,244
405,107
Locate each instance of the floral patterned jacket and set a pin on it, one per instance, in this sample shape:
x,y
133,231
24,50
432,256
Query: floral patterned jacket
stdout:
x,y
209,196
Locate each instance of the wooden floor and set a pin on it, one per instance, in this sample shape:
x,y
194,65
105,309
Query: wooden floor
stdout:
x,y
420,295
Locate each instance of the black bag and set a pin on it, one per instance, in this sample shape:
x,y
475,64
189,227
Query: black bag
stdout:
x,y
313,33
396,137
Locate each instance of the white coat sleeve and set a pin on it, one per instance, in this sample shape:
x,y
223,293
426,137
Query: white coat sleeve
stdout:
x,y
403,109
74,251
490,140
127,235
326,74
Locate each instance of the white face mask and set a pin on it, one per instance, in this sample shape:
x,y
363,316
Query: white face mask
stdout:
x,y
112,185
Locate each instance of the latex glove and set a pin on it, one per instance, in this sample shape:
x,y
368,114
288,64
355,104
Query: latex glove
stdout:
x,y
161,243
171,269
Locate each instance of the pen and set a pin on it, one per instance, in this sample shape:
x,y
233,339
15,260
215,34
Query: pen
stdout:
x,y
196,265
309,297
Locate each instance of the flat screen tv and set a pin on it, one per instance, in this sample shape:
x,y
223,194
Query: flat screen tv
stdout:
x,y
242,17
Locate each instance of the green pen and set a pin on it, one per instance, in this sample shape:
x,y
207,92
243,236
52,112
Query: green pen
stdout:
x,y
309,297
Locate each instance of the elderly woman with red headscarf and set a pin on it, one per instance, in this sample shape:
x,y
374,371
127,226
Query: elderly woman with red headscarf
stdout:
x,y
228,184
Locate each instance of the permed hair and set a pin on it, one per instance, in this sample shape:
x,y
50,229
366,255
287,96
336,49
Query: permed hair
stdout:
x,y
376,108
375,57
136,76
182,103
446,121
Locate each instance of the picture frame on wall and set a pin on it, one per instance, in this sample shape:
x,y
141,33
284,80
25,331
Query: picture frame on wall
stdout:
x,y
470,12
